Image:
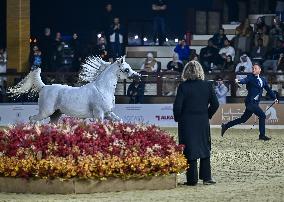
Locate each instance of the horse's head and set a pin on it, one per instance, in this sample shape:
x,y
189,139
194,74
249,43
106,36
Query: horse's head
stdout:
x,y
125,71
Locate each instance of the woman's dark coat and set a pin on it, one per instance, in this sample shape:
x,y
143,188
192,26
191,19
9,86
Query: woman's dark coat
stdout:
x,y
195,104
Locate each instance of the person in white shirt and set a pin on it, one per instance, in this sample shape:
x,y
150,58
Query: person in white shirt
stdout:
x,y
227,50
150,64
244,66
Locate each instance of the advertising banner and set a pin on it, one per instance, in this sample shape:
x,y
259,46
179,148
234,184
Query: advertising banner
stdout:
x,y
158,114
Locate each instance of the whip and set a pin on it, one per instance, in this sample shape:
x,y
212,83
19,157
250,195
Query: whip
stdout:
x,y
264,112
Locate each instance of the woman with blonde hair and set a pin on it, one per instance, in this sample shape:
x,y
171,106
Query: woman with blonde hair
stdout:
x,y
195,104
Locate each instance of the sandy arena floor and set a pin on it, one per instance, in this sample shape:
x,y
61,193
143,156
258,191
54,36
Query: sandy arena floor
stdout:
x,y
245,169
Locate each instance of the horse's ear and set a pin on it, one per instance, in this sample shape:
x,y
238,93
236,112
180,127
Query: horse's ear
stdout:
x,y
121,60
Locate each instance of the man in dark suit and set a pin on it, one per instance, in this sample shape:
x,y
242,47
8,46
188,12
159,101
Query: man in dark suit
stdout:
x,y
254,84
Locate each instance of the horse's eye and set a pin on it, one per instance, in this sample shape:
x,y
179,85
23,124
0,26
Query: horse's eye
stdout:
x,y
126,70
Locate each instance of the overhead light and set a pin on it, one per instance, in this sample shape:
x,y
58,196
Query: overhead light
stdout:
x,y
99,35
176,40
167,39
145,39
136,37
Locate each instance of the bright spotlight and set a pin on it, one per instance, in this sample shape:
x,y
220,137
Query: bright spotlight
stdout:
x,y
99,35
145,39
176,40
167,39
136,37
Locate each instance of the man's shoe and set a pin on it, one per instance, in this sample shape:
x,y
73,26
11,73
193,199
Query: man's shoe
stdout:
x,y
265,138
223,129
190,184
209,182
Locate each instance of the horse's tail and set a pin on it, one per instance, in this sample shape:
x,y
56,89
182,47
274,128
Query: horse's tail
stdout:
x,y
31,83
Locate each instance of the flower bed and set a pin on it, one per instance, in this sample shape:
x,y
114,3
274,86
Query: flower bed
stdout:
x,y
76,149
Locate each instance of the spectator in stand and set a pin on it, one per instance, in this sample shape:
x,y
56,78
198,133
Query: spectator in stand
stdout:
x,y
35,58
45,45
277,28
273,56
244,66
219,38
280,63
245,29
57,43
136,91
226,50
260,34
175,64
102,49
260,23
107,19
76,46
194,56
228,64
183,51
208,56
150,64
116,38
159,8
57,40
3,67
64,58
3,60
221,90
258,53
280,69
169,80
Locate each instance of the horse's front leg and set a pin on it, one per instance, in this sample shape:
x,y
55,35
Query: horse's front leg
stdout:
x,y
99,114
114,117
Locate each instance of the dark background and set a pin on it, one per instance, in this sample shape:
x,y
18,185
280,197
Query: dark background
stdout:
x,y
84,16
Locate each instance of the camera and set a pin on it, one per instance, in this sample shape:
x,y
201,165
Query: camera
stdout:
x,y
242,68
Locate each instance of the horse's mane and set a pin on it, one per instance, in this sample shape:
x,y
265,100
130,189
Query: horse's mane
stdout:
x,y
92,68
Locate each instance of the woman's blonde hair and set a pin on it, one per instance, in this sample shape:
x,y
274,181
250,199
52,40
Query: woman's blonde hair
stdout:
x,y
192,71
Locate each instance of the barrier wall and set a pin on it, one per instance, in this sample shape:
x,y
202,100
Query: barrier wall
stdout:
x,y
158,114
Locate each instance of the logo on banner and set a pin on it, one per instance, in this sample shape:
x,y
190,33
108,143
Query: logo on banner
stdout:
x,y
231,114
271,115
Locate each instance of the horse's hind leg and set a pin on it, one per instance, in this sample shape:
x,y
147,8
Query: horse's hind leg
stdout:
x,y
40,116
54,118
37,117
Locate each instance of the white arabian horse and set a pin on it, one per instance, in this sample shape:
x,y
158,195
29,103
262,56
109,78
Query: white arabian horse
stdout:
x,y
93,100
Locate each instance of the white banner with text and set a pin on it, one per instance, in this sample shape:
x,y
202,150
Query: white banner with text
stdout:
x,y
158,114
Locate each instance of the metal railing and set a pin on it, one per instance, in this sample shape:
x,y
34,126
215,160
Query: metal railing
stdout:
x,y
155,82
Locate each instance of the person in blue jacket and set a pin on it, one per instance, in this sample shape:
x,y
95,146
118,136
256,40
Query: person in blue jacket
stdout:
x,y
255,85
183,51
